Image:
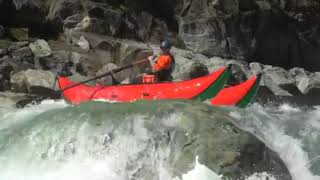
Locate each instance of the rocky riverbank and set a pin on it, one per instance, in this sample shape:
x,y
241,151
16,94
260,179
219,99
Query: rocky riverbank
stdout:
x,y
30,66
40,36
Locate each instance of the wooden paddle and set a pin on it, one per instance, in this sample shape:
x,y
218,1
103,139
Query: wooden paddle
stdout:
x,y
107,74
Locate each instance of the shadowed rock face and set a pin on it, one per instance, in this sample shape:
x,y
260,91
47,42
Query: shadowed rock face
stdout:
x,y
265,31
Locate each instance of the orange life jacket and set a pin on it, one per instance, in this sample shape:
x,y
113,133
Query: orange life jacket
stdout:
x,y
164,62
163,67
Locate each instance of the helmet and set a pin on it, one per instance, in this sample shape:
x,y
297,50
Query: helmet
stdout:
x,y
165,44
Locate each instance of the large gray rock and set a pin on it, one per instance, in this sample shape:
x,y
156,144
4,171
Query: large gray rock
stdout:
x,y
276,79
32,81
309,85
40,48
278,75
256,68
280,81
83,44
198,70
240,72
302,79
275,76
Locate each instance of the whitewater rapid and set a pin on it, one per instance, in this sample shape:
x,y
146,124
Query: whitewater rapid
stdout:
x,y
292,132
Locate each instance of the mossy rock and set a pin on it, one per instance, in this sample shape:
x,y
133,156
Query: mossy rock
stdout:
x,y
4,43
20,34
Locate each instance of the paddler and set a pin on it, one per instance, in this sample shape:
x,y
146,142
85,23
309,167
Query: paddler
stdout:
x,y
163,65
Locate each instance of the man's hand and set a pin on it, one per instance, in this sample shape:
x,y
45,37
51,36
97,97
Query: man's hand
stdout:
x,y
152,58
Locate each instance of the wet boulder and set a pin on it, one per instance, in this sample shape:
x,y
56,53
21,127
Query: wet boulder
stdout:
x,y
83,44
256,68
302,78
198,70
240,72
310,85
33,81
276,80
280,81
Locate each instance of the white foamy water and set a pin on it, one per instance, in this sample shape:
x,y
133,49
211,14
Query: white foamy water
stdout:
x,y
271,125
201,172
10,116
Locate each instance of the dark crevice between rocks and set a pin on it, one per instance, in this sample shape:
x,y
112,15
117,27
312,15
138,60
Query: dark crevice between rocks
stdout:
x,y
228,47
97,13
279,43
30,17
164,10
46,30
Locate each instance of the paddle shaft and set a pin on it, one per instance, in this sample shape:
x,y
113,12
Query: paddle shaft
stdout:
x,y
106,74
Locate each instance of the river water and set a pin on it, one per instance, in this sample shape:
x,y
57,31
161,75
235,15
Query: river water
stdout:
x,y
55,140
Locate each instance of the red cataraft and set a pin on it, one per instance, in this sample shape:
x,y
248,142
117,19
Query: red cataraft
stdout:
x,y
240,95
200,88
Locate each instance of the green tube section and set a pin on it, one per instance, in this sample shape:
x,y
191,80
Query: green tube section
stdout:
x,y
216,87
251,95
